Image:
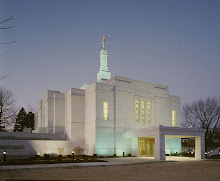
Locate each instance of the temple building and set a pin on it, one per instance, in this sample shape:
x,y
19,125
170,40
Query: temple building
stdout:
x,y
115,115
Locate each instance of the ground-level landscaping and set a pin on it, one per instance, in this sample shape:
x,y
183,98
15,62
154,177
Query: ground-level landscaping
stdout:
x,y
48,159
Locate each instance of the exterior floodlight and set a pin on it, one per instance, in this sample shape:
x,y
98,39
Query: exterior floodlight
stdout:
x,y
73,154
4,156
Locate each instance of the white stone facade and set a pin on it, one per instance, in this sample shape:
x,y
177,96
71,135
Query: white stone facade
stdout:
x,y
79,113
98,117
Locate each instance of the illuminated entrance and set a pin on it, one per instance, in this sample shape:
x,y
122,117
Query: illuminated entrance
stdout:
x,y
146,146
156,141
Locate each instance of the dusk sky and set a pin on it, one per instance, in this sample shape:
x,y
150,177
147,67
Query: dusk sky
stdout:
x,y
58,42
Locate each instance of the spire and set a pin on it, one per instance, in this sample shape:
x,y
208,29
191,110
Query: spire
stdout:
x,y
104,73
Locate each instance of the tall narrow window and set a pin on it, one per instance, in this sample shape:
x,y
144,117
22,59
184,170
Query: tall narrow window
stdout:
x,y
148,112
173,118
137,110
105,110
143,111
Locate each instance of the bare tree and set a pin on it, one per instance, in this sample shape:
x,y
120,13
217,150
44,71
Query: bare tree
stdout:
x,y
204,114
7,109
2,78
6,28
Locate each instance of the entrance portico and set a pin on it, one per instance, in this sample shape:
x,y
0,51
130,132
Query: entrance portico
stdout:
x,y
161,132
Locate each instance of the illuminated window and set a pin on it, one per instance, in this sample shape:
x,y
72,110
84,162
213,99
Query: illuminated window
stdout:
x,y
143,111
173,118
148,112
137,110
105,110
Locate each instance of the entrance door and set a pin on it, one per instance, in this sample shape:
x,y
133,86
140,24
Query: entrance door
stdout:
x,y
146,146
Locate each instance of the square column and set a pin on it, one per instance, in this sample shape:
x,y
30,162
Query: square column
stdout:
x,y
135,146
159,147
200,147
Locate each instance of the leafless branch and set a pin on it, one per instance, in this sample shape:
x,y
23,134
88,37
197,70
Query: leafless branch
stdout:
x,y
7,109
6,28
2,78
10,18
6,43
204,114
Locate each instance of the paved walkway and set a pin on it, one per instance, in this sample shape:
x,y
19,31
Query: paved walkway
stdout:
x,y
111,161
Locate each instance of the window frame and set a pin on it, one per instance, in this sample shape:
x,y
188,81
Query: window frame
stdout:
x,y
173,117
149,112
137,118
143,111
105,110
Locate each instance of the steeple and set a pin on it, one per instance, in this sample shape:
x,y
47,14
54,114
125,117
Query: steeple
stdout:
x,y
104,73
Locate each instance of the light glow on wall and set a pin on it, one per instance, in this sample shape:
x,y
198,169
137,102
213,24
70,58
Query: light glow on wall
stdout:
x,y
137,111
105,110
173,118
143,111
172,145
148,112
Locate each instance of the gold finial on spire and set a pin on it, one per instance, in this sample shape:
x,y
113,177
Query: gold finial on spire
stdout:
x,y
103,40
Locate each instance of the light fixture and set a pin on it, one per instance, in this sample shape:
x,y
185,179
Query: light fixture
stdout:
x,y
73,154
4,156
